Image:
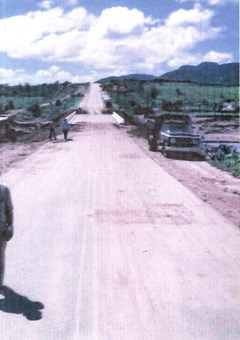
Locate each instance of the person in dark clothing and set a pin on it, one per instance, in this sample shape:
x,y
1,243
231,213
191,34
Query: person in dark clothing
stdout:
x,y
52,132
6,227
65,128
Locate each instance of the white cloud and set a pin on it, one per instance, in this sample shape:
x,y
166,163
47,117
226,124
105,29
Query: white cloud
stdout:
x,y
188,59
54,72
217,57
50,75
194,16
9,76
111,20
41,28
72,2
221,2
209,2
47,4
120,40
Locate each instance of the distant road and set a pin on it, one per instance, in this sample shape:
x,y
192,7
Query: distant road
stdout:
x,y
114,247
93,102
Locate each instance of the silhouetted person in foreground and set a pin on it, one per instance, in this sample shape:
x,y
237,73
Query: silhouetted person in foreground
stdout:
x,y
12,302
65,128
17,304
6,227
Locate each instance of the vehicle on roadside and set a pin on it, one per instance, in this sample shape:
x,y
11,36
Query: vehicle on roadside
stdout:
x,y
172,133
108,109
81,111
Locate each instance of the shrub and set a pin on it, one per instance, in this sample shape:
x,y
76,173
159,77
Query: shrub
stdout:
x,y
58,102
180,92
1,109
168,106
154,93
108,104
132,102
9,106
231,165
35,109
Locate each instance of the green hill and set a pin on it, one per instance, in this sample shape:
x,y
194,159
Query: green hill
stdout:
x,y
206,73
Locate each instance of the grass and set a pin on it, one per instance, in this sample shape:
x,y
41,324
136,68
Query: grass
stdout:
x,y
133,95
231,165
59,97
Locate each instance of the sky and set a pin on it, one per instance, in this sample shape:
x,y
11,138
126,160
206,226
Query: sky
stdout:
x,y
86,40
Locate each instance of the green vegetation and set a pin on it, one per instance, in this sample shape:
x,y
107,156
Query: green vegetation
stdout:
x,y
231,165
137,97
47,101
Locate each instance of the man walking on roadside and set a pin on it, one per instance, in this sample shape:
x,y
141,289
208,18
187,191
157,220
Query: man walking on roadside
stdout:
x,y
6,227
52,132
65,128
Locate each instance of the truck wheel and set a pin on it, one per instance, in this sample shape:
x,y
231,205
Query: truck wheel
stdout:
x,y
164,151
153,146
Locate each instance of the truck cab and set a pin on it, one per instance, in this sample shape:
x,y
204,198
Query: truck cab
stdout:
x,y
173,133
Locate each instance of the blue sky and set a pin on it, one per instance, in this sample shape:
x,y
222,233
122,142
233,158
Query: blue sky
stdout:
x,y
82,40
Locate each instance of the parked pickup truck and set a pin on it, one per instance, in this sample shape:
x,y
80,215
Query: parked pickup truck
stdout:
x,y
173,133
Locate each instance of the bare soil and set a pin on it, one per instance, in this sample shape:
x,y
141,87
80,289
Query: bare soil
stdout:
x,y
217,188
214,186
12,153
113,246
219,129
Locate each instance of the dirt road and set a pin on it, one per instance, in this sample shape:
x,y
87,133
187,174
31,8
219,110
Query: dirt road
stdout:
x,y
93,102
114,247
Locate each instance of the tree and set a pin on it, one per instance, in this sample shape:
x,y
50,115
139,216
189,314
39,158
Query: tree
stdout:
x,y
154,93
35,109
58,102
9,106
1,109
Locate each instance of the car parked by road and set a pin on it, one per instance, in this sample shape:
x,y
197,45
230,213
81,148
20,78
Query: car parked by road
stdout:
x,y
173,134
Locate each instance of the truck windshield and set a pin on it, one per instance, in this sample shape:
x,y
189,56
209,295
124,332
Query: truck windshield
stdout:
x,y
175,127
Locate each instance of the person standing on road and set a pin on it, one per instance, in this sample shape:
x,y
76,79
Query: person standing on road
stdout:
x,y
6,227
65,128
52,132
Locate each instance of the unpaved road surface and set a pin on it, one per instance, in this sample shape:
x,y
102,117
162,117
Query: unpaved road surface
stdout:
x,y
114,247
93,102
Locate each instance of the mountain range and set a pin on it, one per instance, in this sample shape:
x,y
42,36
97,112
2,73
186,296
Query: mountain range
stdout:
x,y
208,73
129,76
